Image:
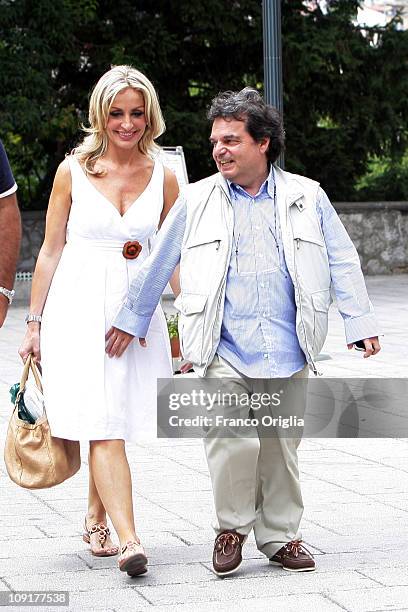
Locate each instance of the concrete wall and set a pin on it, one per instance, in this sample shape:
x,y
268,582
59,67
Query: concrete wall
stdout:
x,y
33,236
378,229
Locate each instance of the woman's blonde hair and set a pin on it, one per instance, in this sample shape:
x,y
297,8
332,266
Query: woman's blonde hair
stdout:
x,y
109,85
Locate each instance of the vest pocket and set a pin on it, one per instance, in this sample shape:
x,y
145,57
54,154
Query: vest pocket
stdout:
x,y
321,303
200,266
191,324
308,238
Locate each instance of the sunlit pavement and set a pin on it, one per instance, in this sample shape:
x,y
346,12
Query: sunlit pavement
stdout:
x,y
355,521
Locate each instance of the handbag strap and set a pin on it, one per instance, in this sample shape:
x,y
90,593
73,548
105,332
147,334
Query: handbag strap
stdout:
x,y
36,374
24,374
30,365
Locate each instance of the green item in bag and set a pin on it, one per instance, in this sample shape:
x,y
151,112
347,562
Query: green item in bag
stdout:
x,y
23,413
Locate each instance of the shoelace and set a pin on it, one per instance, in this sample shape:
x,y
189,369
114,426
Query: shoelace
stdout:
x,y
295,547
227,538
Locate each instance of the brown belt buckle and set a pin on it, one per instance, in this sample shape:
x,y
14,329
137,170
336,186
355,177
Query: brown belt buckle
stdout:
x,y
131,249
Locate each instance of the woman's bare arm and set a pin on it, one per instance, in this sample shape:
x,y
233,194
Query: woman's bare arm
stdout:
x,y
49,255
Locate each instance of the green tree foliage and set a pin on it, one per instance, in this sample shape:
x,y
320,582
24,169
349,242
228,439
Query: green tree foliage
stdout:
x,y
345,94
53,52
345,99
386,179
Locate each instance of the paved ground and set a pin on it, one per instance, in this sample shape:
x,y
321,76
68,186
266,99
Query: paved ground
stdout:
x,y
355,522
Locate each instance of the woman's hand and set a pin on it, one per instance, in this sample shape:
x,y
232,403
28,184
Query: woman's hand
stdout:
x,y
117,342
31,343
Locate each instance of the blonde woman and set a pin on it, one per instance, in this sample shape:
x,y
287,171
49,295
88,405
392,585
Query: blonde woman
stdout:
x,y
108,199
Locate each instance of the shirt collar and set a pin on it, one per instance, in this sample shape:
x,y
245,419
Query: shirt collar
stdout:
x,y
266,187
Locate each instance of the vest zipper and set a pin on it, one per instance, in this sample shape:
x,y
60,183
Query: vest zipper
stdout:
x,y
312,363
216,314
218,303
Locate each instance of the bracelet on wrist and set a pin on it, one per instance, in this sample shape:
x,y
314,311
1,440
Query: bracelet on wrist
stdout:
x,y
33,318
8,293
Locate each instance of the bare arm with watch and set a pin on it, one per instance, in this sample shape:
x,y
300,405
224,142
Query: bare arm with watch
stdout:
x,y
48,258
10,234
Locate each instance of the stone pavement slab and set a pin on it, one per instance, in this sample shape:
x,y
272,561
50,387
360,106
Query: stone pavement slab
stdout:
x,y
287,603
380,599
355,520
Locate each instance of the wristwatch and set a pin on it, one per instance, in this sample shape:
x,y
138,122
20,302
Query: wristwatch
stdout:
x,y
9,293
33,317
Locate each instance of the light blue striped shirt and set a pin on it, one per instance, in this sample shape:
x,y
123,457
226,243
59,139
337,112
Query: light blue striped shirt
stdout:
x,y
259,310
258,333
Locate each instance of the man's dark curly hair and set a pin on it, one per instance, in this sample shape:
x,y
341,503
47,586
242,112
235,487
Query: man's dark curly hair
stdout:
x,y
261,120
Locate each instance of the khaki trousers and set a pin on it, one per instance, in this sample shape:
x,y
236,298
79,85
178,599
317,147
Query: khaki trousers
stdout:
x,y
255,480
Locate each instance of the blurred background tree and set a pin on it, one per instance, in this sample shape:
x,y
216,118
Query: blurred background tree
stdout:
x,y
345,99
345,91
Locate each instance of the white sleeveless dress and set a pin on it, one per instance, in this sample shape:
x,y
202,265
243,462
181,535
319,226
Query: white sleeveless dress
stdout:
x,y
89,396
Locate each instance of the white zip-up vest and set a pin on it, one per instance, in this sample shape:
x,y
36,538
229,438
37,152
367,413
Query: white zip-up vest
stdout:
x,y
206,252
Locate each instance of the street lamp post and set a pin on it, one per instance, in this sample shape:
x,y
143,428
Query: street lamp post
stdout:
x,y
272,47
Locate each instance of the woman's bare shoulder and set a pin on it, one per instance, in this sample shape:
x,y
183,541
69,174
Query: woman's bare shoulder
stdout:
x,y
63,172
62,181
170,180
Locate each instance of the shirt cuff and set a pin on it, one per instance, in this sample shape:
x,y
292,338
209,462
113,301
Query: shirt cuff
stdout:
x,y
127,320
359,328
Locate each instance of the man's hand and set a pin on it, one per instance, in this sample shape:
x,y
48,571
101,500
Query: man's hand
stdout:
x,y
372,346
117,342
186,367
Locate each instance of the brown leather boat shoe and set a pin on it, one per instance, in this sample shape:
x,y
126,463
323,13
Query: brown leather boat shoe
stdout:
x,y
294,557
227,556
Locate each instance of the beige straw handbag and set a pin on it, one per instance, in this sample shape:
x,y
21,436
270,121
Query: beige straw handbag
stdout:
x,y
34,459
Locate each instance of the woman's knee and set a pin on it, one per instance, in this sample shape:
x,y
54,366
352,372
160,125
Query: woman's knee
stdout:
x,y
106,446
